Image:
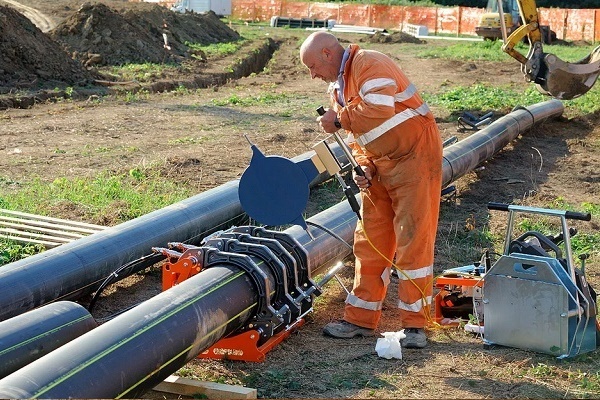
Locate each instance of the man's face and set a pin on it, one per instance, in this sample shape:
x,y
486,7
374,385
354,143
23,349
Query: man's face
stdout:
x,y
321,66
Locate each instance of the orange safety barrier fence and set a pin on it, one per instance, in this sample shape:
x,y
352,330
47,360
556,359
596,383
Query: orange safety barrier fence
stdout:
x,y
569,24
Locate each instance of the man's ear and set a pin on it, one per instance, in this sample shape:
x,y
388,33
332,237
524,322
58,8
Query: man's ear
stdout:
x,y
326,53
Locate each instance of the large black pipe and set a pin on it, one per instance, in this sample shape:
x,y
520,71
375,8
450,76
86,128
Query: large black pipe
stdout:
x,y
31,335
463,156
75,269
132,353
176,325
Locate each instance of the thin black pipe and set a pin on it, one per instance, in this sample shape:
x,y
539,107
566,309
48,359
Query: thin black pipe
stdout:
x,y
31,335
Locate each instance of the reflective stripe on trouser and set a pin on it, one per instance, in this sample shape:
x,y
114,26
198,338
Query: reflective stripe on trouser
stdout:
x,y
412,187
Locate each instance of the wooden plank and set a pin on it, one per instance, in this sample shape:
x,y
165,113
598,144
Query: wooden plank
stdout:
x,y
190,387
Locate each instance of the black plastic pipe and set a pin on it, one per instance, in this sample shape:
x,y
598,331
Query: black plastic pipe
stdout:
x,y
463,156
76,269
31,335
132,353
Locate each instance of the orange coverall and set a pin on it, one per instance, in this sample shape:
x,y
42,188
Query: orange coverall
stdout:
x,y
392,131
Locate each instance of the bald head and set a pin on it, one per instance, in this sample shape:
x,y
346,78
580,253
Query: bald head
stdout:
x,y
322,54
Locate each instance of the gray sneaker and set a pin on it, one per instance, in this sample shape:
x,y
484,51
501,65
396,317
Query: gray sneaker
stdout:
x,y
415,338
344,329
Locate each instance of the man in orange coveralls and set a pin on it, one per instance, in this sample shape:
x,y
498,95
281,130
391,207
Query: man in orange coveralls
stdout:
x,y
395,139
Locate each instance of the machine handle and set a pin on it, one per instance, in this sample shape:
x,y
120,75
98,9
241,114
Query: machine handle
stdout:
x,y
355,167
568,214
497,206
579,216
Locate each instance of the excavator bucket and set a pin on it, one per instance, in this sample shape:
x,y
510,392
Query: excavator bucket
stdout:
x,y
566,81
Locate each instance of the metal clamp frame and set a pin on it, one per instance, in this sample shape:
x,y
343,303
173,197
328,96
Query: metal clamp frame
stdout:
x,y
281,300
266,317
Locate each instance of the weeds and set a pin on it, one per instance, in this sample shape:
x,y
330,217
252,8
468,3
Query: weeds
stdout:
x,y
217,49
98,196
261,99
11,251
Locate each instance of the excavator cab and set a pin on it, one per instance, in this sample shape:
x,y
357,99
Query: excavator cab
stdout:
x,y
553,76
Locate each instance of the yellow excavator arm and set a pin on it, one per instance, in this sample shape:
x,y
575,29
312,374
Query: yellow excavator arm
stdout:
x,y
553,76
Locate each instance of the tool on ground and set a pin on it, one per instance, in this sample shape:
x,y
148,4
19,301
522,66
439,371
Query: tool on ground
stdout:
x,y
532,297
553,76
468,121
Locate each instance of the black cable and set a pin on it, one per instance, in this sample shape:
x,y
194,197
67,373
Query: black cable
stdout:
x,y
142,263
132,267
335,235
112,316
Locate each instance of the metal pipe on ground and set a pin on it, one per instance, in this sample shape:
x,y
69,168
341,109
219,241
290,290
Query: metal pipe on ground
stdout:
x,y
85,263
129,355
29,336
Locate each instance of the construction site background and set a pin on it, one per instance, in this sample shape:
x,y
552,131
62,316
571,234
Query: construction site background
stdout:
x,y
569,24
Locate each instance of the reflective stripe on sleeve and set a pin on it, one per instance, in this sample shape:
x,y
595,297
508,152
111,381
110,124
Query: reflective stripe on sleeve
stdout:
x,y
367,305
375,84
417,306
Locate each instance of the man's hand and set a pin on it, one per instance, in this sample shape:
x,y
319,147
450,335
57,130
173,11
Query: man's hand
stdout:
x,y
327,121
363,181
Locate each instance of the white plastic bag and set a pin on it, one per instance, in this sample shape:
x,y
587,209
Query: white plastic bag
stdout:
x,y
389,345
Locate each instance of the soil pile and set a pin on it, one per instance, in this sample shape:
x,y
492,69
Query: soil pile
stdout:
x,y
30,59
394,37
99,35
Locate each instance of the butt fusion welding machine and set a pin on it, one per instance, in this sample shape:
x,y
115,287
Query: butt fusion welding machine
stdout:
x,y
532,297
267,196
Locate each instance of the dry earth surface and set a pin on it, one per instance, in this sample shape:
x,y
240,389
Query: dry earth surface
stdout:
x,y
201,144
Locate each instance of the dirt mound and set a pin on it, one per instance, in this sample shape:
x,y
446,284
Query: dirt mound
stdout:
x,y
99,35
394,37
30,59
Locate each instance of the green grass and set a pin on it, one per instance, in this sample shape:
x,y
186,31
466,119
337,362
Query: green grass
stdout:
x,y
144,72
122,196
259,99
11,251
492,51
487,97
217,49
483,97
107,197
